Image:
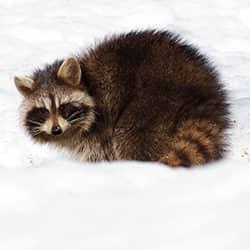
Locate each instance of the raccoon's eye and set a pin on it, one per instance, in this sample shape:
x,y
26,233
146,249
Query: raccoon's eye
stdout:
x,y
70,111
43,110
61,107
36,116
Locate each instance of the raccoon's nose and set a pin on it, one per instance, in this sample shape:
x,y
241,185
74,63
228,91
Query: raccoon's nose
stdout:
x,y
56,130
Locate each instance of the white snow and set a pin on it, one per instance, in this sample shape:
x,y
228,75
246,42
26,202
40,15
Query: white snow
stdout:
x,y
50,201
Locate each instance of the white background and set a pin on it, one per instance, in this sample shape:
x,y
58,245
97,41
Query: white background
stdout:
x,y
49,201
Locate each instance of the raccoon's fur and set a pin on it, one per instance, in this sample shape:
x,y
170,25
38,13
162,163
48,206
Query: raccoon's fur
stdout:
x,y
143,96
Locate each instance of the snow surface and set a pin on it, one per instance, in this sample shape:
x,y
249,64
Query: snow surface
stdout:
x,y
49,201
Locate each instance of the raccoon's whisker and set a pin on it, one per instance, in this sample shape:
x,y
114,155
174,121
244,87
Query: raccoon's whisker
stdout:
x,y
34,122
76,120
35,133
36,129
72,115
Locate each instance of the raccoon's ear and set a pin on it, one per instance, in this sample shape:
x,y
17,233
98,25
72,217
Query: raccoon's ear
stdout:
x,y
25,85
70,71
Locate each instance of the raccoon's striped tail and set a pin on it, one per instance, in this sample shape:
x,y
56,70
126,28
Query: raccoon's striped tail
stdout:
x,y
195,142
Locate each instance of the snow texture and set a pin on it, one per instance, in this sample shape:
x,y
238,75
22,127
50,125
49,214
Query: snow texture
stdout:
x,y
48,201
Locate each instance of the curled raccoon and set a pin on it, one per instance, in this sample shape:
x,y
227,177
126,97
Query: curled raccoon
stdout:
x,y
144,96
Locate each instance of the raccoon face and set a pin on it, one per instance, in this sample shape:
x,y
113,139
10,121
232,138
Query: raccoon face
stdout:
x,y
54,106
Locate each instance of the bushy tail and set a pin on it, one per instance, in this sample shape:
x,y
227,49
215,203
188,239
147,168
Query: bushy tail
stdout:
x,y
195,142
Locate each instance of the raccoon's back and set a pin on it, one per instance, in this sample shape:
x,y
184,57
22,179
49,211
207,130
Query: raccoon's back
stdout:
x,y
155,69
149,55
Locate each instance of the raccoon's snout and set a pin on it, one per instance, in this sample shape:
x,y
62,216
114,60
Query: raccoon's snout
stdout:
x,y
54,125
56,130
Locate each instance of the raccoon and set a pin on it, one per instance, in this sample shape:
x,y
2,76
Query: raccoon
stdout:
x,y
142,95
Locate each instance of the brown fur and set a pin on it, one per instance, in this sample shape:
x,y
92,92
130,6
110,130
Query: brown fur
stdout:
x,y
146,95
